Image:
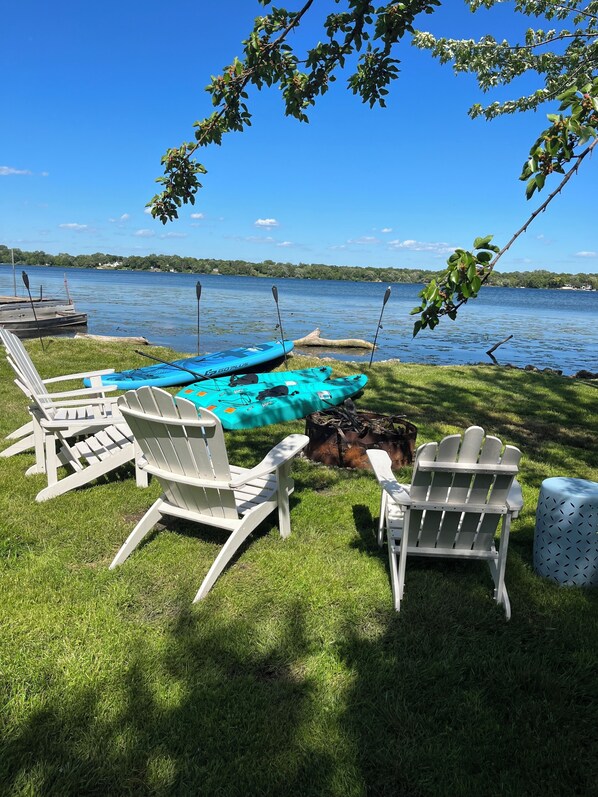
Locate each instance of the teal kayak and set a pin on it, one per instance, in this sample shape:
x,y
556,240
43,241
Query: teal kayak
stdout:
x,y
261,405
243,358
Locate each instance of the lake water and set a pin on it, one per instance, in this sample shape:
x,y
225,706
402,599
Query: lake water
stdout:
x,y
550,328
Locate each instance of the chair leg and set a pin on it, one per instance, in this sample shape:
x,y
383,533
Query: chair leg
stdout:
x,y
19,447
284,510
397,568
145,525
497,568
82,475
39,445
382,520
394,574
22,431
228,550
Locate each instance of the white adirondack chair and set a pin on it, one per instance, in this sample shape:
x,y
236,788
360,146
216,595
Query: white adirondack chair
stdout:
x,y
184,447
103,441
460,489
71,405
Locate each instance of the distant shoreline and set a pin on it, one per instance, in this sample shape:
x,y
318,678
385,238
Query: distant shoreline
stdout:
x,y
538,279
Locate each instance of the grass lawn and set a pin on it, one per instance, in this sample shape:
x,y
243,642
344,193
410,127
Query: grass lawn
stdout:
x,y
295,676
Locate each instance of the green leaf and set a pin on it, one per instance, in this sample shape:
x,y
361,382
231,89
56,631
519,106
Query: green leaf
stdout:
x,y
530,188
482,243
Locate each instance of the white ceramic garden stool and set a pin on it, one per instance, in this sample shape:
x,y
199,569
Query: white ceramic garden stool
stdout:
x,y
566,536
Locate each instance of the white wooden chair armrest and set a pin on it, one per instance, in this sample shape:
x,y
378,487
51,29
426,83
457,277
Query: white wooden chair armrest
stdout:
x,y
88,402
281,453
83,391
85,423
85,375
386,479
515,498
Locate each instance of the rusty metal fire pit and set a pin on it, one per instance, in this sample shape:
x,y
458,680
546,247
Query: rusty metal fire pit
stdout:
x,y
342,435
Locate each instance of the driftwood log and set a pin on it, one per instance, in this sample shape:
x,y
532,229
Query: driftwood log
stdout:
x,y
314,339
139,341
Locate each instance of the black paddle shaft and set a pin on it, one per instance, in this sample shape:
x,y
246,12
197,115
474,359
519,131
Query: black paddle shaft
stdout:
x,y
26,283
284,352
198,294
386,298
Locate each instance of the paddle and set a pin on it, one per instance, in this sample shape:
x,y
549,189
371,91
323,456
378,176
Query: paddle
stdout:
x,y
199,377
198,294
39,332
379,327
275,294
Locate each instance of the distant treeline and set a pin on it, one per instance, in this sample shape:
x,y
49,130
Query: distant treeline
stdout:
x,y
268,268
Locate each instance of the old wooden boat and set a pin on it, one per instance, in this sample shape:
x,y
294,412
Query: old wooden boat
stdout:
x,y
44,316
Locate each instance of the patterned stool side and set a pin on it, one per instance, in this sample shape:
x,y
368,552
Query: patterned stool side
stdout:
x,y
566,536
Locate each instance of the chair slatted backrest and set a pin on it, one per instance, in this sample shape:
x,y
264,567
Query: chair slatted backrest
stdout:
x,y
28,378
459,491
180,440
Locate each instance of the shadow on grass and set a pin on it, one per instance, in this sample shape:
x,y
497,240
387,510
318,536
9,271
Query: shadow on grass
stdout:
x,y
431,700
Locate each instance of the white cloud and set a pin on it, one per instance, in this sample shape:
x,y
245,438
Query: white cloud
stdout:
x,y
174,235
148,211
267,223
74,226
5,170
125,217
438,247
586,254
45,174
285,243
364,240
197,216
386,229
144,233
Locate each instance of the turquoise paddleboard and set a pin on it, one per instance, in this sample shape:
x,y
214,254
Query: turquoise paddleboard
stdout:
x,y
199,392
243,358
261,405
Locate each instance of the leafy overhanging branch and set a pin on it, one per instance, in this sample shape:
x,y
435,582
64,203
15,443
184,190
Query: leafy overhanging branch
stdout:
x,y
497,63
270,60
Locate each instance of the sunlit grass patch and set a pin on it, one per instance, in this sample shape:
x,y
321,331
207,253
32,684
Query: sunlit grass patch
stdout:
x,y
295,675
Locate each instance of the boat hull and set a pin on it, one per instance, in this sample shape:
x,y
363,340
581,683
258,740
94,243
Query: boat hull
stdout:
x,y
50,315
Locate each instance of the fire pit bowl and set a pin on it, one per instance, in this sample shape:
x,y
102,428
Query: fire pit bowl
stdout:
x,y
341,436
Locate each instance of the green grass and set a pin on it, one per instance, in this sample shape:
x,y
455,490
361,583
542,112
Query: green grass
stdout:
x,y
295,676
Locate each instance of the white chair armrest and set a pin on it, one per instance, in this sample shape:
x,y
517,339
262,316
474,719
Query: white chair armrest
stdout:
x,y
90,402
515,498
381,464
85,375
83,391
281,453
84,423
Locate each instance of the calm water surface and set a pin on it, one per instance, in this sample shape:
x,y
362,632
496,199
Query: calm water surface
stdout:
x,y
556,329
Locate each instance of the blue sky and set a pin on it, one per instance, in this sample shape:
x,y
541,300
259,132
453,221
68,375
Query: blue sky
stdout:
x,y
94,93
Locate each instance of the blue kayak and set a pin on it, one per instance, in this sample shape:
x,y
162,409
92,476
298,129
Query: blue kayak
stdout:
x,y
243,358
260,404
